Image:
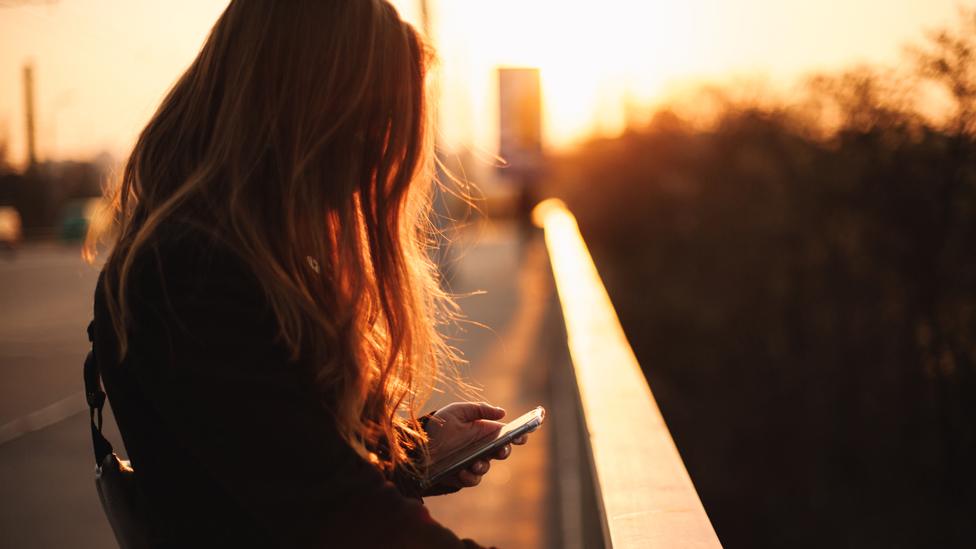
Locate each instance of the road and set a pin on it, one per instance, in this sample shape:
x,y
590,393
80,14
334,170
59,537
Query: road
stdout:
x,y
46,469
49,495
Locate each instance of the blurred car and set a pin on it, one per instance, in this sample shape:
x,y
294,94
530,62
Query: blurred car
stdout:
x,y
10,228
76,218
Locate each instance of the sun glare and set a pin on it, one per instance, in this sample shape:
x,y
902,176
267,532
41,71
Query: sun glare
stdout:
x,y
604,63
597,64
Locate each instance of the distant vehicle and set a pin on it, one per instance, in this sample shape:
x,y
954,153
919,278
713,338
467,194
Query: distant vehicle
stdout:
x,y
10,229
76,217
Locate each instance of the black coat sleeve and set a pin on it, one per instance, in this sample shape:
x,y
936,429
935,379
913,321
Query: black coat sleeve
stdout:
x,y
203,350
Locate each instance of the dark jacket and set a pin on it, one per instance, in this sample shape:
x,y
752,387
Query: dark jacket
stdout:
x,y
231,444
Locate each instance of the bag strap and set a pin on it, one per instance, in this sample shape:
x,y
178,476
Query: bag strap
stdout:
x,y
96,401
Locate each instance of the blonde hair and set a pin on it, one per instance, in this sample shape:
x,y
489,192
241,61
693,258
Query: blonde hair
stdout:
x,y
301,130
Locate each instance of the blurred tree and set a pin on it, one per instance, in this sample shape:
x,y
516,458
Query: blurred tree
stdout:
x,y
946,322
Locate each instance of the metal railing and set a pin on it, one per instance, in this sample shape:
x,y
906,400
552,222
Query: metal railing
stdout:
x,y
641,491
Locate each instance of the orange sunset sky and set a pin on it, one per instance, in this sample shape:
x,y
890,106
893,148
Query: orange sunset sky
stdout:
x,y
101,66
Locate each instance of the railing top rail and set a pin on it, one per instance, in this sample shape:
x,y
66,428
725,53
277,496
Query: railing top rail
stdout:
x,y
646,495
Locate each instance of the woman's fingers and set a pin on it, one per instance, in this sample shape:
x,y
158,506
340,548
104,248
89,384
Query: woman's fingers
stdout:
x,y
479,467
468,479
506,450
472,475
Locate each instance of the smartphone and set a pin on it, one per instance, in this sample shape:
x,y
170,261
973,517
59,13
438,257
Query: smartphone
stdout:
x,y
488,445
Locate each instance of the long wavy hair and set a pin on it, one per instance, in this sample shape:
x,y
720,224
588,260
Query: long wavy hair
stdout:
x,y
300,132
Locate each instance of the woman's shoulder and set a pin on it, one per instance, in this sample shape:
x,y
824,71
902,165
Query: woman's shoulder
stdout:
x,y
185,269
177,244
188,252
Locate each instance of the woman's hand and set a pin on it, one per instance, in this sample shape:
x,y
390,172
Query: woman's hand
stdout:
x,y
456,425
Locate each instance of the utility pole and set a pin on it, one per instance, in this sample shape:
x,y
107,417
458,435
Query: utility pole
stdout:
x,y
29,111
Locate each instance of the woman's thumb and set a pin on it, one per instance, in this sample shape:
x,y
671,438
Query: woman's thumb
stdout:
x,y
482,410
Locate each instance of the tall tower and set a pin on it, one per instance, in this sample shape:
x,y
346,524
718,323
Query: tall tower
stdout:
x,y
520,122
29,111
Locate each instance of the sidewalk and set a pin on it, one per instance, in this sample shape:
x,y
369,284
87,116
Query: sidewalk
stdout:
x,y
510,508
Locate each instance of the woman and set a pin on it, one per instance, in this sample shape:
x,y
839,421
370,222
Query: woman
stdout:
x,y
265,323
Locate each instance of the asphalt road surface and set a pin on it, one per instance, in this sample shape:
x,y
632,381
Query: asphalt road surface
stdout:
x,y
48,496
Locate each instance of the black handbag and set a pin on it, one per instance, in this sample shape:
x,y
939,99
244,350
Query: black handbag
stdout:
x,y
115,479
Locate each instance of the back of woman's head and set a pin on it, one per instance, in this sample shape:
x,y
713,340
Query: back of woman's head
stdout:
x,y
299,137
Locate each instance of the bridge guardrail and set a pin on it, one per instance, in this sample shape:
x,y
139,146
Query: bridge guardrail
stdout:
x,y
643,493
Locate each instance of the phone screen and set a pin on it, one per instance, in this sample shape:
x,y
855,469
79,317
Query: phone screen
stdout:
x,y
466,454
